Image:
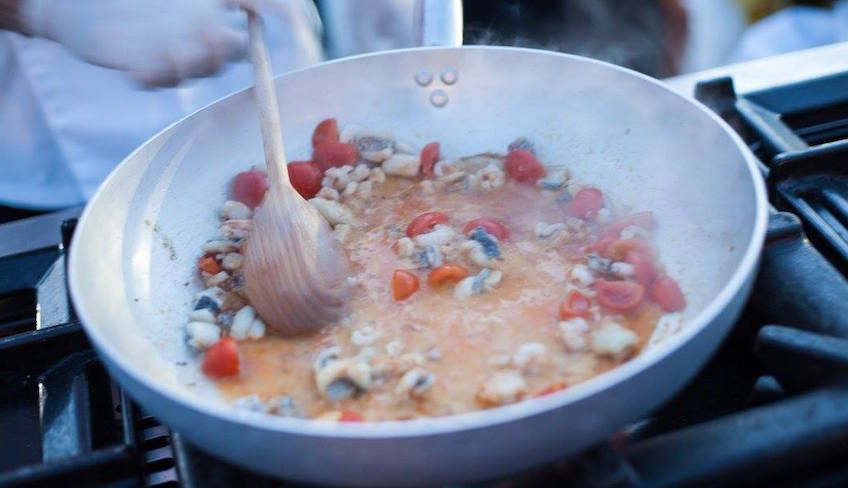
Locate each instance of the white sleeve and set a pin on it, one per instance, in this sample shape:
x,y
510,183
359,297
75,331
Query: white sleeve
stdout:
x,y
361,26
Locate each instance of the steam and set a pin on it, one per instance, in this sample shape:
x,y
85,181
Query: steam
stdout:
x,y
630,33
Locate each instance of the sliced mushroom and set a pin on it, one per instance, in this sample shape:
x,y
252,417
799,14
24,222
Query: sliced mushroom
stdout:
x,y
201,335
502,388
406,165
415,383
235,210
242,322
613,340
334,212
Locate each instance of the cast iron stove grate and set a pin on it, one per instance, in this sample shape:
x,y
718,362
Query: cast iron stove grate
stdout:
x,y
770,407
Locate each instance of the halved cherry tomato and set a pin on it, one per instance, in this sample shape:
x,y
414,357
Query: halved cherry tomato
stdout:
x,y
643,264
447,273
404,284
207,264
425,222
492,226
586,203
429,157
350,416
249,187
575,305
326,131
561,385
333,153
222,359
305,177
666,292
523,166
619,296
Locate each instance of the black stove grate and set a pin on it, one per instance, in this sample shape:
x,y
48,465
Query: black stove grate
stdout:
x,y
771,406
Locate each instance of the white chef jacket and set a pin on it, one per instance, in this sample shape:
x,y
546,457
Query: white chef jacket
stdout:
x,y
792,29
65,124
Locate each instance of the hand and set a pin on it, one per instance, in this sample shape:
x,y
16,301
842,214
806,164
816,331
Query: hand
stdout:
x,y
158,42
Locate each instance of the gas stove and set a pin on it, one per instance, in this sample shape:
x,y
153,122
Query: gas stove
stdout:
x,y
770,407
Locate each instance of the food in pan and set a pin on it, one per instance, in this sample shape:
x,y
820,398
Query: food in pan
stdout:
x,y
480,281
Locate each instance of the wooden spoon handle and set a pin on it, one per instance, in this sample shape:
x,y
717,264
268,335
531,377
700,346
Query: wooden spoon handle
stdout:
x,y
266,101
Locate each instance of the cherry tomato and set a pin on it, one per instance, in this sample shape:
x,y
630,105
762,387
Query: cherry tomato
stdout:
x,y
666,292
249,187
305,177
619,296
326,131
447,273
429,157
404,284
523,166
350,416
492,226
222,359
561,385
425,223
207,264
586,203
643,264
575,305
329,154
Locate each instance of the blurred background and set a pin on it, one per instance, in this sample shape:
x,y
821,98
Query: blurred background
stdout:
x,y
84,83
657,37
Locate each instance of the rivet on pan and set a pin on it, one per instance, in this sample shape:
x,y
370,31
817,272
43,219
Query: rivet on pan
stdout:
x,y
449,76
423,77
439,98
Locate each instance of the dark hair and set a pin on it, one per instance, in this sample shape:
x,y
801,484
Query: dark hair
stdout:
x,y
632,33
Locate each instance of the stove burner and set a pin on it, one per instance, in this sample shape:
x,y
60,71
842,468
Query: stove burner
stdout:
x,y
770,408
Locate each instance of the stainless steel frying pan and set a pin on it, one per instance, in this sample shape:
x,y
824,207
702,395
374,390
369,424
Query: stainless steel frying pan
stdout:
x,y
131,263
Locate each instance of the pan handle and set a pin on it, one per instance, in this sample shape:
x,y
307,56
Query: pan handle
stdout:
x,y
438,23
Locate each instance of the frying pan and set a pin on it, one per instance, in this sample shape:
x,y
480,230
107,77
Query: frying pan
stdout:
x,y
132,258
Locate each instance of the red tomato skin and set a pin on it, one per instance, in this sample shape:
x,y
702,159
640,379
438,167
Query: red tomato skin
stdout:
x,y
404,284
552,389
668,295
222,359
619,296
424,223
576,304
208,264
429,157
586,203
330,154
492,226
326,131
644,266
249,187
523,166
350,416
305,177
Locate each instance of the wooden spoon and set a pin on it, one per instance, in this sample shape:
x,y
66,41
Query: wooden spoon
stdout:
x,y
294,268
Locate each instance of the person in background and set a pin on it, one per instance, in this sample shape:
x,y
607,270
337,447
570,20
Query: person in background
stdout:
x,y
647,35
782,26
84,82
71,106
